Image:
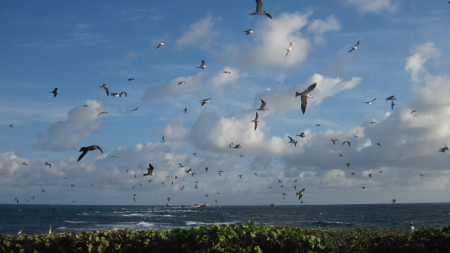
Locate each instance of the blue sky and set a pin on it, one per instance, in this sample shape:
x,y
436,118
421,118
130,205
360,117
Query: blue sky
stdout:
x,y
76,47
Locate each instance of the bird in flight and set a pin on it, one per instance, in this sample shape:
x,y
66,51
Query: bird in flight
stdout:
x,y
204,101
248,31
185,110
55,92
189,170
256,121
302,135
353,173
301,193
163,139
49,165
413,111
340,155
101,113
119,94
203,65
182,82
370,102
150,170
160,44
259,10
334,141
291,140
206,169
444,149
379,144
238,146
263,106
355,47
86,149
195,154
370,175
391,98
289,49
131,79
374,122
348,165
24,163
135,109
392,105
346,142
305,95
393,201
11,126
226,72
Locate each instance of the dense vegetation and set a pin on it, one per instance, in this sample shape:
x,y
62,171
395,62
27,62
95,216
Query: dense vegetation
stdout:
x,y
235,238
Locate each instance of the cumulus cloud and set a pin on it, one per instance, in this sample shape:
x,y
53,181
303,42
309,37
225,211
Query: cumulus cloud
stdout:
x,y
175,129
421,54
65,135
375,6
319,27
199,34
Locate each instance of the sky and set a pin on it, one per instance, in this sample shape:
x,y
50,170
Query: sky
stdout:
x,y
78,46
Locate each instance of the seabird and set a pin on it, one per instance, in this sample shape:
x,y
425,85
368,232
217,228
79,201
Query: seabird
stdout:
x,y
370,102
374,122
86,149
43,190
106,89
300,193
363,187
182,188
162,183
305,95
302,135
392,105
11,126
131,79
356,136
334,141
135,109
348,165
346,142
240,176
49,165
185,110
420,175
248,31
238,146
50,230
295,187
189,170
340,155
370,175
272,205
381,171
226,72
318,125
206,169
355,47
413,111
150,170
263,106
24,163
204,101
411,227
119,94
176,177
55,92
391,98
196,186
289,49
257,175
291,140
379,144
444,149
182,82
92,185
206,195
203,65
256,121
181,166
259,10
160,44
353,173
163,139
101,113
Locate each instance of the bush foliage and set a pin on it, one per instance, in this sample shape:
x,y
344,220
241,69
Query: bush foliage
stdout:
x,y
235,238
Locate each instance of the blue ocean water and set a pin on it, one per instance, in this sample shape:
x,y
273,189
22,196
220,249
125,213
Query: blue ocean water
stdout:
x,y
77,218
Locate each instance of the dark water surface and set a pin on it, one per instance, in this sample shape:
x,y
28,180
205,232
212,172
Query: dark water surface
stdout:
x,y
77,218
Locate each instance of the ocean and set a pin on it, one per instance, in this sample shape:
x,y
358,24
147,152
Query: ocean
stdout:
x,y
34,219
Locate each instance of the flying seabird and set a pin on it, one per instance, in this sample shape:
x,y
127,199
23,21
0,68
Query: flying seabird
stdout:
x,y
259,10
160,44
381,171
248,31
101,113
291,140
135,109
185,110
444,149
131,79
240,176
24,163
182,82
413,111
238,146
181,166
420,175
334,141
370,102
163,139
374,122
379,144
189,170
289,49
49,165
206,169
119,94
226,72
363,187
55,92
346,142
392,105
206,195
150,170
11,126
305,95
204,101
355,47
300,193
43,190
256,121
348,165
176,177
86,149
340,155
353,173
263,106
391,98
203,65
370,175
317,125
302,135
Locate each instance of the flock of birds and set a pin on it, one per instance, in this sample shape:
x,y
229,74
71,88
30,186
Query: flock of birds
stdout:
x,y
304,101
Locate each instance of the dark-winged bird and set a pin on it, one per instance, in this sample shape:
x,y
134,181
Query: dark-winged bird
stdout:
x,y
86,149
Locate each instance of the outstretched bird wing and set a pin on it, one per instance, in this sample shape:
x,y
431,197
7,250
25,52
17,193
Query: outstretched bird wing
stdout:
x,y
84,150
259,5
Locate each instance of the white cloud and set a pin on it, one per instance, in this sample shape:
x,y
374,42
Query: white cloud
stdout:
x,y
175,129
65,135
375,6
199,34
319,27
421,54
